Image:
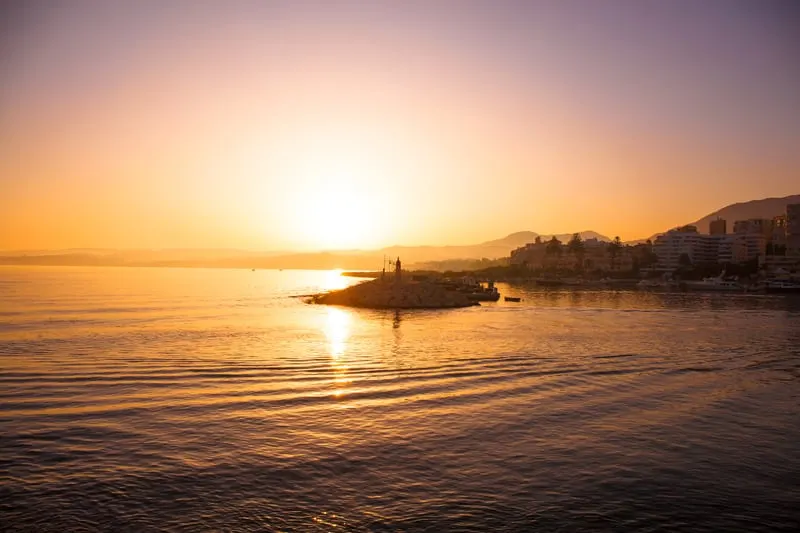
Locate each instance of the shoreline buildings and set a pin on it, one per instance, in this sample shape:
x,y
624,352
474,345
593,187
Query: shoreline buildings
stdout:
x,y
774,243
594,255
792,229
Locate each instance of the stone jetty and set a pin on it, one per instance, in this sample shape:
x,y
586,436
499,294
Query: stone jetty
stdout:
x,y
399,292
383,294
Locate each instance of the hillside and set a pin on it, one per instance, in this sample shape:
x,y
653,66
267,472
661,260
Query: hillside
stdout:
x,y
766,208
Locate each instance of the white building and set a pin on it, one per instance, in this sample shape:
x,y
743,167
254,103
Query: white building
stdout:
x,y
793,230
706,249
748,242
685,240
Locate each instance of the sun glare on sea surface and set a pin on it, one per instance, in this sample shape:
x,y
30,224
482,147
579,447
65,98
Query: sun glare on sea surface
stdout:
x,y
334,280
337,331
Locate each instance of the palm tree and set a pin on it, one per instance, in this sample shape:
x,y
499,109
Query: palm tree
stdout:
x,y
553,246
575,246
614,248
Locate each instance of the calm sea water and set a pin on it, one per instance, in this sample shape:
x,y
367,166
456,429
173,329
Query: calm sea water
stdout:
x,y
209,400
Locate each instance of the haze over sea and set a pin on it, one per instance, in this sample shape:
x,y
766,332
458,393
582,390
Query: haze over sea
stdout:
x,y
145,399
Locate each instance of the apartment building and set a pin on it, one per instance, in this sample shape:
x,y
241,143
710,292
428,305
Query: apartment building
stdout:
x,y
793,230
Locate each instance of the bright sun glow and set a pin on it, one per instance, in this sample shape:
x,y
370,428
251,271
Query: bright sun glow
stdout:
x,y
334,280
339,217
336,186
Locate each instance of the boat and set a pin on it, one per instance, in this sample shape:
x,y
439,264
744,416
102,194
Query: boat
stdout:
x,y
718,283
781,286
512,298
475,291
483,294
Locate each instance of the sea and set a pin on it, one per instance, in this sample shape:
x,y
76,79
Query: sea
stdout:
x,y
167,399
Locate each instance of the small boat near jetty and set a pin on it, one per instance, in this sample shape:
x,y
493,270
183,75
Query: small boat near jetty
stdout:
x,y
479,293
474,290
512,298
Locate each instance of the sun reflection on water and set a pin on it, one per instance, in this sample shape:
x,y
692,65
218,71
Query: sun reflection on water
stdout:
x,y
334,280
337,331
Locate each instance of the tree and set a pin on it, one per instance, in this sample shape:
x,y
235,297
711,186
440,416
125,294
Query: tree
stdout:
x,y
537,240
685,261
614,249
553,247
643,255
576,247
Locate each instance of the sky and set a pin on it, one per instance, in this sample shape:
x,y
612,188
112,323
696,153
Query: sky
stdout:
x,y
306,125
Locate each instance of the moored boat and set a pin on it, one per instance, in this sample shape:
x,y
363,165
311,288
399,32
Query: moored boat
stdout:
x,y
781,286
484,294
714,284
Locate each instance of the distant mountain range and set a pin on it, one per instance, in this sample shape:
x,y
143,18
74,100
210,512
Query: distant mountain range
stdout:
x,y
423,256
229,258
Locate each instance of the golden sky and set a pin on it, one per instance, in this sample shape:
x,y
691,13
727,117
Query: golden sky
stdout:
x,y
312,125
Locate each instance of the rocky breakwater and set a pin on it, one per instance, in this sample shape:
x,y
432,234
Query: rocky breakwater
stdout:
x,y
385,294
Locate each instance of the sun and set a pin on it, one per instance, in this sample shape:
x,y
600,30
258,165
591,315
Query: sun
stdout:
x,y
337,190
340,218
337,214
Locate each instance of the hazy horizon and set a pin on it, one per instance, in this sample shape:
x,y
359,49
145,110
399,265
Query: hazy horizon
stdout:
x,y
304,126
274,252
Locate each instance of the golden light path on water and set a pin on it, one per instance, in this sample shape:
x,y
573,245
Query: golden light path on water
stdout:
x,y
337,331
